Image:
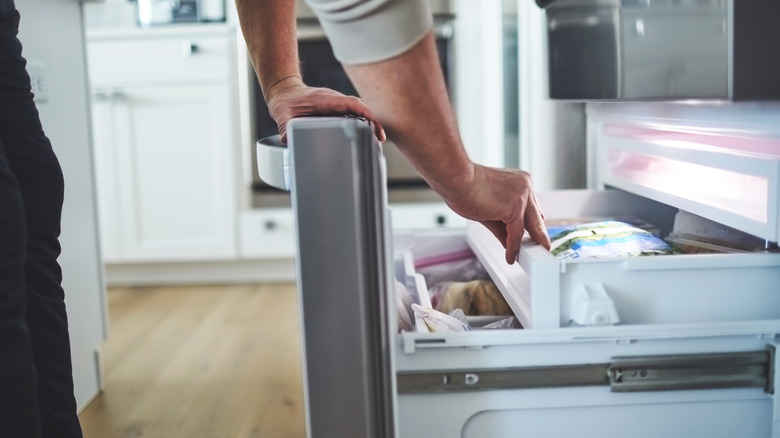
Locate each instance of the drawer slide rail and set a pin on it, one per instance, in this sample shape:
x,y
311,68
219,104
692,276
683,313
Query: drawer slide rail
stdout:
x,y
623,374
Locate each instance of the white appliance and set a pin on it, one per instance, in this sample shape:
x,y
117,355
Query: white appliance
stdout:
x,y
690,351
666,346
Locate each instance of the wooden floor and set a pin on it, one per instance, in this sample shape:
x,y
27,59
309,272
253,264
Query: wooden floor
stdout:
x,y
192,362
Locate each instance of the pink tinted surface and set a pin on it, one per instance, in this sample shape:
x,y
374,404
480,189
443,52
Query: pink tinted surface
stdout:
x,y
738,193
699,140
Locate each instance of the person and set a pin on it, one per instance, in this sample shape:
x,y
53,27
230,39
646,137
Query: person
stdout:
x,y
388,51
36,376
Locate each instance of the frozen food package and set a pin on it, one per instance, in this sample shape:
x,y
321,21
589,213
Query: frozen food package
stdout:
x,y
474,298
403,305
695,234
609,238
439,322
555,226
465,267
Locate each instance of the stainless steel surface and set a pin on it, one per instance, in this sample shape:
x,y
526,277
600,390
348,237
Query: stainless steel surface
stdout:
x,y
154,12
337,188
623,374
519,378
692,371
667,49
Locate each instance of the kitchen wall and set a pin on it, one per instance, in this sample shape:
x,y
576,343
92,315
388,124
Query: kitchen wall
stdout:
x,y
52,37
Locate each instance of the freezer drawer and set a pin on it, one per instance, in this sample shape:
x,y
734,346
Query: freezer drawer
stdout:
x,y
699,372
545,292
684,360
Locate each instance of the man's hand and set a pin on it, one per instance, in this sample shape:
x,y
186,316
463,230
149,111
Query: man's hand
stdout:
x,y
290,98
504,202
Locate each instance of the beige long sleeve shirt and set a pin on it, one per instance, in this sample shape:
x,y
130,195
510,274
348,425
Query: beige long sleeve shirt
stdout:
x,y
367,31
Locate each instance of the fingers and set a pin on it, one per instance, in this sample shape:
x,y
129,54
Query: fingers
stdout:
x,y
322,102
534,223
356,106
514,236
511,233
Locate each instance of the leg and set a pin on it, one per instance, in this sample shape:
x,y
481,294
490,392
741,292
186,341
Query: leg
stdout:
x,y
19,413
39,177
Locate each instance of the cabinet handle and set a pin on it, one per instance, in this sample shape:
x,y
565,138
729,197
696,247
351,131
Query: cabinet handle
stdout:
x,y
118,95
189,48
100,96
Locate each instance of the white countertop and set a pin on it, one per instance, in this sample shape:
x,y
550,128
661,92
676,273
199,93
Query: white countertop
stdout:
x,y
101,33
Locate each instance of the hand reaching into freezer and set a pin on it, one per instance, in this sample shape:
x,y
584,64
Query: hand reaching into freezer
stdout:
x,y
290,98
408,94
503,201
399,78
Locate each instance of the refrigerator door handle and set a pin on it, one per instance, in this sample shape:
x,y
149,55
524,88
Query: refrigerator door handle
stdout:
x,y
273,162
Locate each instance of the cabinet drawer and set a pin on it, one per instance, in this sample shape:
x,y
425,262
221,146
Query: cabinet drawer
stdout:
x,y
415,216
269,233
164,59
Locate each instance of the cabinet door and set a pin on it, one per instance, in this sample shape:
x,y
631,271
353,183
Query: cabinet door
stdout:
x,y
174,148
105,162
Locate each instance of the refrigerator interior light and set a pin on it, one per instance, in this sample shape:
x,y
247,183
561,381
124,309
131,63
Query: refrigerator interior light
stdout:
x,y
729,142
738,193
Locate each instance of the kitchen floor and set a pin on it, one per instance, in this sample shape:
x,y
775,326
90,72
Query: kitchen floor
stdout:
x,y
201,361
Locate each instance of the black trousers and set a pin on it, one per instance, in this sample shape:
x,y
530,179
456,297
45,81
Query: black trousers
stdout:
x,y
36,376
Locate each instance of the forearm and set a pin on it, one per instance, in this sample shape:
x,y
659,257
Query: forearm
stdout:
x,y
270,34
409,96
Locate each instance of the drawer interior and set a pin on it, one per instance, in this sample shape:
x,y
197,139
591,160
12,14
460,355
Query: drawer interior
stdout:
x,y
544,292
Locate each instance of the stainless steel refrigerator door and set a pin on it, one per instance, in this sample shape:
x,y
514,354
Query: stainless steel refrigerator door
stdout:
x,y
337,182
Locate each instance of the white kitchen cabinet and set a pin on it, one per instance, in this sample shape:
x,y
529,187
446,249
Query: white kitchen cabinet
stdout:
x,y
267,233
164,125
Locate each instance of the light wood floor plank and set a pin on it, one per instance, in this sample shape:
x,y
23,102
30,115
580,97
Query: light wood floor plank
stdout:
x,y
201,361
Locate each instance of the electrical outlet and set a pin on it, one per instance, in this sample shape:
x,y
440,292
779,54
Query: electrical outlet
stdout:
x,y
37,72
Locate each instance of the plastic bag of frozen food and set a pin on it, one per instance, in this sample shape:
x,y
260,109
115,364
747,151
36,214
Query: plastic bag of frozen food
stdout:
x,y
506,323
604,239
475,298
403,305
464,268
438,322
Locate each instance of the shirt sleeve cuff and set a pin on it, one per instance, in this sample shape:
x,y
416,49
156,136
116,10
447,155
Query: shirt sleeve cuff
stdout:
x,y
368,31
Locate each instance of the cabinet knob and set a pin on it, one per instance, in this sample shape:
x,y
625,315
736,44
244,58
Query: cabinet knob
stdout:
x,y
100,96
189,48
270,225
441,219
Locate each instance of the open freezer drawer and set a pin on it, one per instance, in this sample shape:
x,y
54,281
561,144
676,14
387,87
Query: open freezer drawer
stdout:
x,y
545,292
659,372
650,375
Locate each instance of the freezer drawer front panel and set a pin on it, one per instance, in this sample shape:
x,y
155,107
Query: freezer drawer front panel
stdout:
x,y
587,413
545,292
538,383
